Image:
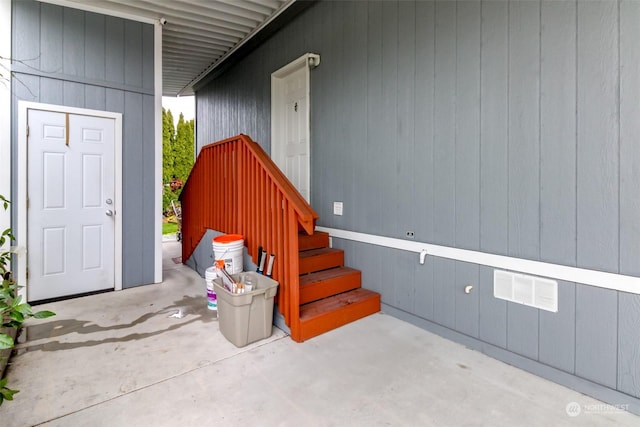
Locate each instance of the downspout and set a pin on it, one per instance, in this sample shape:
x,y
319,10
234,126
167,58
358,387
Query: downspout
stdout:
x,y
157,205
5,110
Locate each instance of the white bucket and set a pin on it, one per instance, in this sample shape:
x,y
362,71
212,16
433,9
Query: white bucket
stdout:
x,y
228,247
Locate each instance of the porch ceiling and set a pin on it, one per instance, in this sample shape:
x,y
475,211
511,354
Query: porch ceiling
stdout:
x,y
198,34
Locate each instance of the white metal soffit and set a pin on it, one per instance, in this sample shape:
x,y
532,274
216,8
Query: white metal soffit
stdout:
x,y
197,35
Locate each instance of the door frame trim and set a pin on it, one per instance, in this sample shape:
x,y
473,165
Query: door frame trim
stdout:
x,y
21,241
306,62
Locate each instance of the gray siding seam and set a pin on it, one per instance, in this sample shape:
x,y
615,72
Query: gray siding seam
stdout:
x,y
480,144
577,134
539,322
618,333
433,120
575,237
619,113
619,131
455,142
21,69
478,319
508,129
575,317
539,139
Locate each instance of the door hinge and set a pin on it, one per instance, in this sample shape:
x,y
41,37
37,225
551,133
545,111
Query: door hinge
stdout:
x,y
27,273
27,131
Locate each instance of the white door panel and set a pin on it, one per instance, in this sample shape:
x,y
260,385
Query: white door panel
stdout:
x,y
54,243
53,192
70,237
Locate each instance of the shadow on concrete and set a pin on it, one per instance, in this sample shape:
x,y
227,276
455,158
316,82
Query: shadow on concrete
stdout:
x,y
188,306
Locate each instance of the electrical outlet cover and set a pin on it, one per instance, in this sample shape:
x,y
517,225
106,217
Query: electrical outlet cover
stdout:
x,y
337,208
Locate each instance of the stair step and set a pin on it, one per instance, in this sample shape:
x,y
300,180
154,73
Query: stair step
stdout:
x,y
320,259
323,284
330,313
317,240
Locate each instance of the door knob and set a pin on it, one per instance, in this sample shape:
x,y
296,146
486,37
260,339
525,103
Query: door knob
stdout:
x,y
109,212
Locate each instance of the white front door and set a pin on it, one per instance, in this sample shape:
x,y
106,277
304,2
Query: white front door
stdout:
x,y
70,208
290,132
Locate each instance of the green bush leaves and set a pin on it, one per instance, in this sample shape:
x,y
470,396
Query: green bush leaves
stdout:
x,y
13,312
6,393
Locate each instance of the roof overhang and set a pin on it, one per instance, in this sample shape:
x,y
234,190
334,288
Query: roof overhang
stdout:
x,y
198,36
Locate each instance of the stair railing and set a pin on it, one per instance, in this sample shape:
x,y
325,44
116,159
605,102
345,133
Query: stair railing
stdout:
x,y
235,187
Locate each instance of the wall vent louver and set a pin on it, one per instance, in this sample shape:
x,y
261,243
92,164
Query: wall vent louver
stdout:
x,y
527,290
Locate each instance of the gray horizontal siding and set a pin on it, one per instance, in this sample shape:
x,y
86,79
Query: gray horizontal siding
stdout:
x,y
507,127
86,60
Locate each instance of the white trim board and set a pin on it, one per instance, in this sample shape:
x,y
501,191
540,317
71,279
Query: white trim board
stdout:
x,y
21,242
91,7
601,279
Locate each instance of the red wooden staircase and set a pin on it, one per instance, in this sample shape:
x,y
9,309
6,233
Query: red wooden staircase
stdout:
x,y
330,293
235,187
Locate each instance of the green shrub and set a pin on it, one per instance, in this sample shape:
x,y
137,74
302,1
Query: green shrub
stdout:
x,y
13,312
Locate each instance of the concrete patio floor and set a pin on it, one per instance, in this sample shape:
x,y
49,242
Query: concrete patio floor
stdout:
x,y
121,359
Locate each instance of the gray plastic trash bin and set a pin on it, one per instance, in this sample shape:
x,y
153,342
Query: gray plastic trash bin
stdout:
x,y
246,318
